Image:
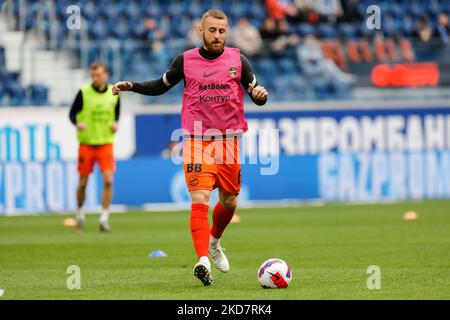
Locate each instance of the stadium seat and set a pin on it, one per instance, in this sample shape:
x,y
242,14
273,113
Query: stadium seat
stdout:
x,y
339,90
347,31
287,66
353,51
2,93
2,58
267,67
16,94
152,9
326,31
125,20
407,25
305,29
38,95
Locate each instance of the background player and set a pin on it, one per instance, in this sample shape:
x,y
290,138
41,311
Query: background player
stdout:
x,y
95,113
214,77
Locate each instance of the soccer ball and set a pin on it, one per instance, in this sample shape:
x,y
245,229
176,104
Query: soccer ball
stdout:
x,y
274,273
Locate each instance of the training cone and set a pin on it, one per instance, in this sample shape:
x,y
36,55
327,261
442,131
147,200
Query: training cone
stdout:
x,y
410,215
70,222
157,253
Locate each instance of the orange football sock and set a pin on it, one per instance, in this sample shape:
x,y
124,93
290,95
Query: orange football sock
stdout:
x,y
200,228
221,218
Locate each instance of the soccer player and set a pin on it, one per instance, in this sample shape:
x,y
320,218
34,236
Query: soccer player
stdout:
x,y
215,79
95,113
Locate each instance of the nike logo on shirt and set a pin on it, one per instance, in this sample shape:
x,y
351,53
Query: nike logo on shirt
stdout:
x,y
209,74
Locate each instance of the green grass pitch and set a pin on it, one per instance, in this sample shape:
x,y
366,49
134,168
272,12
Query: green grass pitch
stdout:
x,y
328,247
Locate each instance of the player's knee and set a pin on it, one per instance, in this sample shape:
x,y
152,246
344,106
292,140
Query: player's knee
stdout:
x,y
200,197
108,183
82,185
82,188
230,203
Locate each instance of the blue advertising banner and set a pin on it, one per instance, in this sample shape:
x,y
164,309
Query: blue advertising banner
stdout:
x,y
156,180
349,155
316,132
340,177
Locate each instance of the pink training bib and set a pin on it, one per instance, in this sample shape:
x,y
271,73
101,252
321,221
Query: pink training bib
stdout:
x,y
213,99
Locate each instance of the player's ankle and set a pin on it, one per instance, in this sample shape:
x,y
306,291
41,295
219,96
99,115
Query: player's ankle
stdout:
x,y
205,260
104,216
80,214
214,242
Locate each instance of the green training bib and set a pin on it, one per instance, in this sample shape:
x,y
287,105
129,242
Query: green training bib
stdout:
x,y
98,113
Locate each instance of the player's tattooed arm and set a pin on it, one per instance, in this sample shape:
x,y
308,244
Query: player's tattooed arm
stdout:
x,y
173,75
257,92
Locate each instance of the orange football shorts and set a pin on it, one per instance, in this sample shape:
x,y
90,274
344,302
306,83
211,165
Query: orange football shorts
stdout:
x,y
210,164
89,155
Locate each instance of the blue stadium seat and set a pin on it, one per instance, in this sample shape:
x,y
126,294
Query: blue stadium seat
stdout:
x,y
256,11
326,31
2,93
133,11
365,32
397,10
348,31
110,12
98,30
267,67
177,8
340,91
195,9
288,87
90,11
2,57
38,95
415,10
305,29
152,10
16,93
287,66
299,87
407,25
390,26
124,20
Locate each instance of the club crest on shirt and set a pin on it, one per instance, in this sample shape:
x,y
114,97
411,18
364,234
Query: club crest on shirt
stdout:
x,y
232,72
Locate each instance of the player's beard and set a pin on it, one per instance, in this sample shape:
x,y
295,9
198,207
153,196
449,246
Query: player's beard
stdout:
x,y
212,46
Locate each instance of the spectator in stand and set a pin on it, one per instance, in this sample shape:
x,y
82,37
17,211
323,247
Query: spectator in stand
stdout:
x,y
304,4
351,11
328,10
269,33
306,11
246,37
424,32
276,37
281,9
284,40
443,29
152,32
320,70
194,35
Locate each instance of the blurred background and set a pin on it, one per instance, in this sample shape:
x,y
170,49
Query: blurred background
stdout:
x,y
342,76
300,49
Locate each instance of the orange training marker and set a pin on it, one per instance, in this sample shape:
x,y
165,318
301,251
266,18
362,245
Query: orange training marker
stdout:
x,y
69,222
410,215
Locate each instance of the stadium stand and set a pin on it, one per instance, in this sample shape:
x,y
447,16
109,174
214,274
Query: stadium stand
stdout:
x,y
138,39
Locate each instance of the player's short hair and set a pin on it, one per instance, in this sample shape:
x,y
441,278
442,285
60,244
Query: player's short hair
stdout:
x,y
98,64
215,13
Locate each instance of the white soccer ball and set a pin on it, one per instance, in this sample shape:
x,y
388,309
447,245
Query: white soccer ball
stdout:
x,y
274,273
